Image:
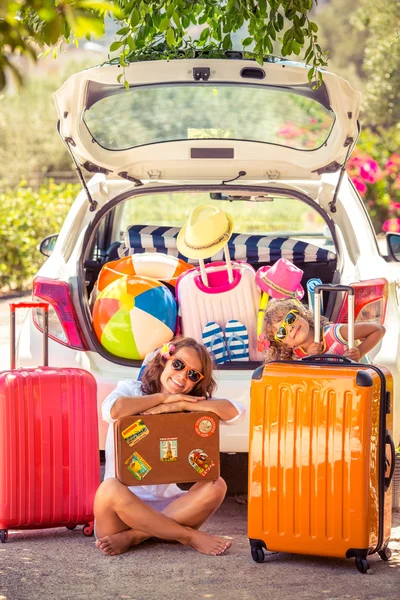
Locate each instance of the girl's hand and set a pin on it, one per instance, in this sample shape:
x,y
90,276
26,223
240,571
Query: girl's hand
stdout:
x,y
353,354
314,348
171,407
174,398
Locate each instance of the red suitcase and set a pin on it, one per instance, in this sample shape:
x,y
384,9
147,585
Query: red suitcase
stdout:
x,y
49,450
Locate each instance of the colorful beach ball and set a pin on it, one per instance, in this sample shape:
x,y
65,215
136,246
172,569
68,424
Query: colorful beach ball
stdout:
x,y
134,315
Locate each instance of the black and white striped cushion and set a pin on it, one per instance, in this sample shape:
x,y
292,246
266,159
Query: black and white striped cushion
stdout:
x,y
247,247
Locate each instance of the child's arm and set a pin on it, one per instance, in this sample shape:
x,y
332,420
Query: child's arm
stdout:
x,y
369,333
223,408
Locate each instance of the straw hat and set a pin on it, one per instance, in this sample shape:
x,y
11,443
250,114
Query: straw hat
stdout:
x,y
281,281
207,231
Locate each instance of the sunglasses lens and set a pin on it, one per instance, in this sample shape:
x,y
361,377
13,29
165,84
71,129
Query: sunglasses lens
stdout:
x,y
281,333
178,365
290,318
193,375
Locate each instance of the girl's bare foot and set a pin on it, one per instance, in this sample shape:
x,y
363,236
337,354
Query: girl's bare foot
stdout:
x,y
208,544
118,543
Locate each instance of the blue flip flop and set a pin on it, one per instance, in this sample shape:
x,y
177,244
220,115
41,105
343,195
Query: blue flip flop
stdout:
x,y
214,340
237,340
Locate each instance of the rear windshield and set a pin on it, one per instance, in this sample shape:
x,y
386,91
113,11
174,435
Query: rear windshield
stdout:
x,y
119,119
275,217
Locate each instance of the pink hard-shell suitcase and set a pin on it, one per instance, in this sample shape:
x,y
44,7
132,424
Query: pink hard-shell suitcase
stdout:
x,y
49,450
220,301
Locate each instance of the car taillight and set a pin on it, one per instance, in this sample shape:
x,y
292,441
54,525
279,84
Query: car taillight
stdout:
x,y
370,300
62,320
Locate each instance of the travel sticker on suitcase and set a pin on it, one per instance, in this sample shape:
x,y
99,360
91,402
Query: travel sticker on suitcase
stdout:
x,y
135,432
138,466
169,449
201,462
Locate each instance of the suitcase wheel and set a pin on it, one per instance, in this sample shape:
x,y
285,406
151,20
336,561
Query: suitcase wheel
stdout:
x,y
3,536
88,529
257,554
385,553
70,527
362,565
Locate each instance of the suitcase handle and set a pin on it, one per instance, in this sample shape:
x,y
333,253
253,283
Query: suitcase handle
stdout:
x,y
326,357
388,480
45,307
317,310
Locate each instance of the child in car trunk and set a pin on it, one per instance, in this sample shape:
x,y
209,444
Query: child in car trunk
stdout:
x,y
288,333
178,378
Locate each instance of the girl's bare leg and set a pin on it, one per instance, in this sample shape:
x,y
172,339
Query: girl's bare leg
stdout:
x,y
118,511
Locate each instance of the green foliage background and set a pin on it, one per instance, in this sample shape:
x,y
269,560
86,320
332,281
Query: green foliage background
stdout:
x,y
26,217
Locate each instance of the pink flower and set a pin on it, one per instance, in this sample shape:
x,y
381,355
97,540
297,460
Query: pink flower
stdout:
x,y
359,185
394,205
392,225
370,171
393,164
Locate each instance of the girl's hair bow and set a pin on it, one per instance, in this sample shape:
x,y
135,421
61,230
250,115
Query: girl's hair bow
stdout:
x,y
166,350
263,343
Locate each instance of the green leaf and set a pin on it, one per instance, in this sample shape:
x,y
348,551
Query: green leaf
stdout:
x,y
177,20
280,21
296,47
164,24
123,31
227,42
115,46
203,19
314,27
131,43
247,41
135,18
204,34
170,10
120,76
170,37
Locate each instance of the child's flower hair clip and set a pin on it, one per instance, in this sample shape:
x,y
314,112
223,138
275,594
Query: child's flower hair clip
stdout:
x,y
263,343
166,350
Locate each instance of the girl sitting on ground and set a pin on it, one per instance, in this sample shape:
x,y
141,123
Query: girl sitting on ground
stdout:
x,y
179,378
288,333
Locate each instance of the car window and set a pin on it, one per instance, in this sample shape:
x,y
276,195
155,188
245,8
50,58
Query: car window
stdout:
x,y
284,216
120,119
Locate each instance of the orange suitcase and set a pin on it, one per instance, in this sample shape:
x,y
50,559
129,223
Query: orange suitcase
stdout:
x,y
321,459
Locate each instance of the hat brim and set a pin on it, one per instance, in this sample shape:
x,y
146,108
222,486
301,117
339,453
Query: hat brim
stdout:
x,y
264,287
203,252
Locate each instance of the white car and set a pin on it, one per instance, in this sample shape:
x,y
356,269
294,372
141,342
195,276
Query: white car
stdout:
x,y
259,141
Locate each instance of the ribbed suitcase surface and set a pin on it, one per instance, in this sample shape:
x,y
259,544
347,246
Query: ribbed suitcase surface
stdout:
x,y
316,459
49,452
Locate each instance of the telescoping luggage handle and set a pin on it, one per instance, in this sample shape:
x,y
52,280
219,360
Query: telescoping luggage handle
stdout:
x,y
45,307
317,310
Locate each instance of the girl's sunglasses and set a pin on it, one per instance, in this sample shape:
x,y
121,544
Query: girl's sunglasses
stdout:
x,y
179,365
282,331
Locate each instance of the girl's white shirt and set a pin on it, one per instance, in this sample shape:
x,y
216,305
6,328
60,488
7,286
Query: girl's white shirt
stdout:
x,y
147,493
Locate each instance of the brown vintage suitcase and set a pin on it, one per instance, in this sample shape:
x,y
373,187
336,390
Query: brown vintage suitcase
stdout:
x,y
168,448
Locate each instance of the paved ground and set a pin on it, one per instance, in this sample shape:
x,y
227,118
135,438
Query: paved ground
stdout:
x,y
60,564
64,565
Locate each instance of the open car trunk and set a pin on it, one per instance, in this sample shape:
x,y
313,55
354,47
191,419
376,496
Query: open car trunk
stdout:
x,y
308,250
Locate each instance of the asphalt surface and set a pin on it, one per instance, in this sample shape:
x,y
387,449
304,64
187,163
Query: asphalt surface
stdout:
x,y
62,564
66,565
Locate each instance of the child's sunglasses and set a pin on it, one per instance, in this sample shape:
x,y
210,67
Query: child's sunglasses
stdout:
x,y
282,331
179,365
